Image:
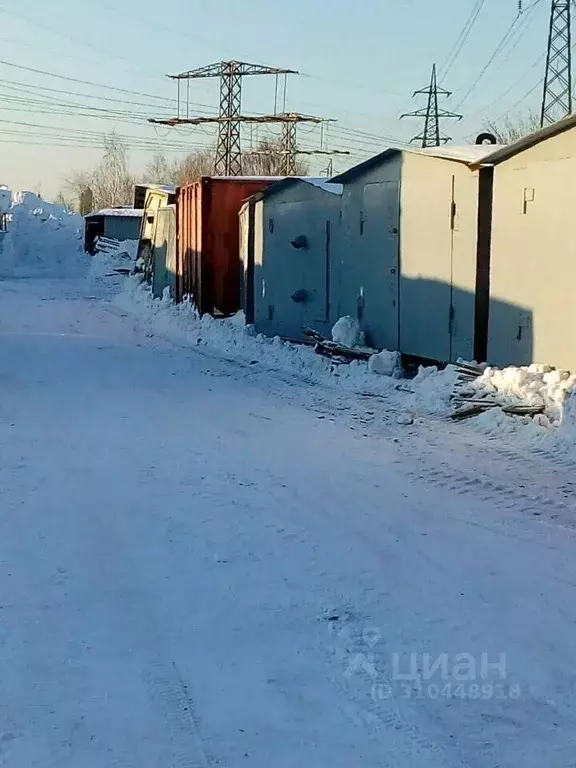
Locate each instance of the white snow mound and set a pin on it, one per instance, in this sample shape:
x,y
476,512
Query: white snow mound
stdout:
x,y
346,331
43,239
537,385
384,363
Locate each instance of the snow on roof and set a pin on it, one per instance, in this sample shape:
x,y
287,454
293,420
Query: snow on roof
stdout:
x,y
248,178
471,153
323,183
169,188
284,181
128,213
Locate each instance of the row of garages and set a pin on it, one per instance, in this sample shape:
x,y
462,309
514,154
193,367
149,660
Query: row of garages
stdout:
x,y
442,254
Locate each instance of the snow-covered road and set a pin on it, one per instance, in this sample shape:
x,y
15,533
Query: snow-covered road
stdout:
x,y
203,564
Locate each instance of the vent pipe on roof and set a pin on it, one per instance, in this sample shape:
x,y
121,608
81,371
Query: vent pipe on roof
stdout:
x,y
486,138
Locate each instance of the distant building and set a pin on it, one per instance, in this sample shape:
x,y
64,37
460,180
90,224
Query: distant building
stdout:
x,y
114,223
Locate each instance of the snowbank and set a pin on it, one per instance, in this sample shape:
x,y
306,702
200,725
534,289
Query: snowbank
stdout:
x,y
42,239
430,393
534,385
233,338
433,390
101,273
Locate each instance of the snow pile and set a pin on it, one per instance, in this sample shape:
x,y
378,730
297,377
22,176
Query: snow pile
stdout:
x,y
106,261
536,385
42,239
232,337
433,389
385,363
103,276
346,331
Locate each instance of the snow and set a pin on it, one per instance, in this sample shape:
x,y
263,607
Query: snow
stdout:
x,y
169,188
471,153
430,393
208,559
42,238
385,363
128,213
231,337
346,331
432,390
103,264
325,184
533,385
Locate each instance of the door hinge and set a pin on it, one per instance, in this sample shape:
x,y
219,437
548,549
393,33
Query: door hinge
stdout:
x,y
453,216
451,320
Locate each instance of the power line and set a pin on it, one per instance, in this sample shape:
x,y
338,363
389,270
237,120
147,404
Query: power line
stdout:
x,y
18,85
461,39
512,88
84,41
228,159
499,48
69,79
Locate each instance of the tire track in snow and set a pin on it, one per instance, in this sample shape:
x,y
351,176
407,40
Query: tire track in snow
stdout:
x,y
173,695
515,481
383,722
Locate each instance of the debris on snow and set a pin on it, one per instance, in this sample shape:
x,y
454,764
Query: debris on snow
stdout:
x,y
531,390
338,353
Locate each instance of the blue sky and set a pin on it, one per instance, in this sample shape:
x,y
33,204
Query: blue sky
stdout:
x,y
359,64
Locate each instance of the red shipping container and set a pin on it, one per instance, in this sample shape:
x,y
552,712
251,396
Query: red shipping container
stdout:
x,y
208,241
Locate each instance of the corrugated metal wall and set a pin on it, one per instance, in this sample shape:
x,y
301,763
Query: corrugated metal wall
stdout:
x,y
208,241
122,227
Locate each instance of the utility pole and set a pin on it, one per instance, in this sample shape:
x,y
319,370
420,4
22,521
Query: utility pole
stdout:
x,y
329,170
557,95
228,160
288,148
432,114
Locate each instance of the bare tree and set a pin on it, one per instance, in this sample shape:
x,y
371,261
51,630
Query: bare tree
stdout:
x,y
73,187
159,171
65,201
510,130
193,166
112,182
267,160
